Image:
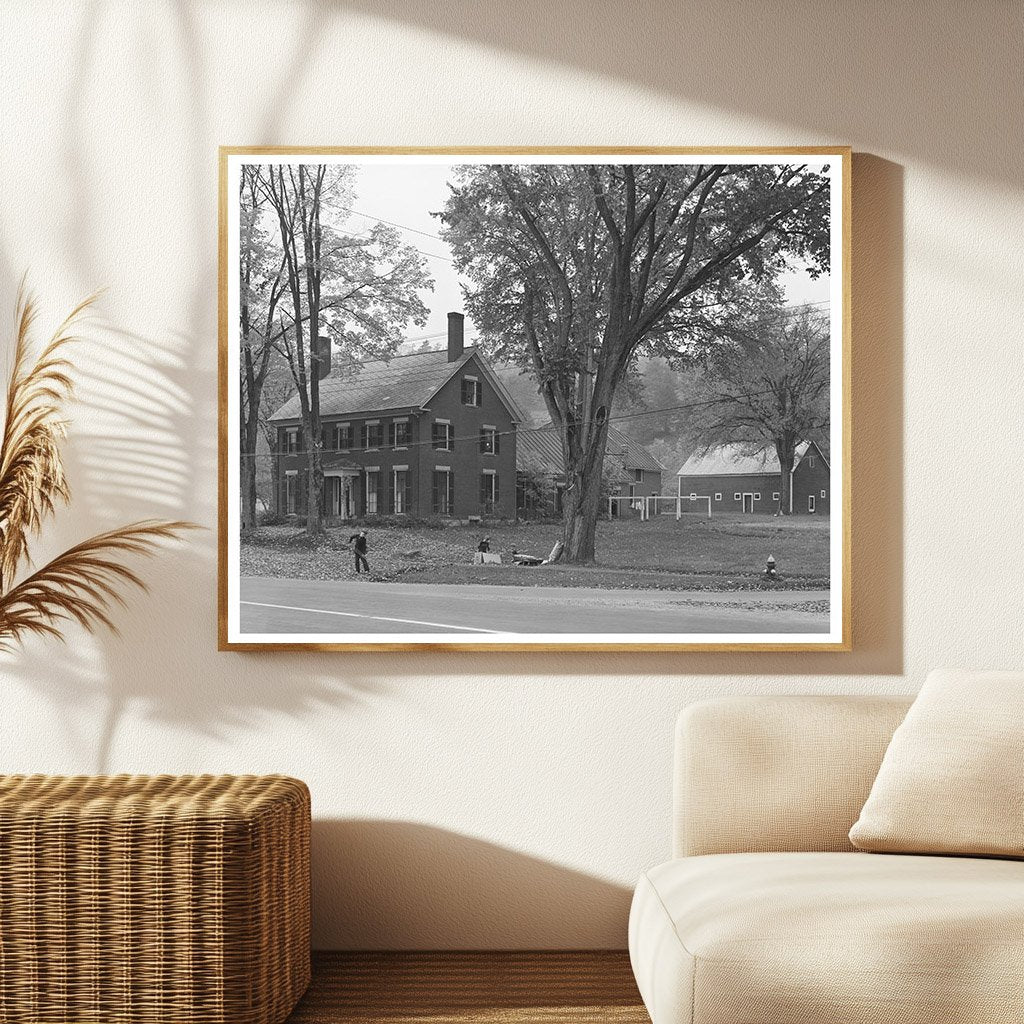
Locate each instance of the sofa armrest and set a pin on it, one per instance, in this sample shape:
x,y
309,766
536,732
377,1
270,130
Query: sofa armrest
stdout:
x,y
759,774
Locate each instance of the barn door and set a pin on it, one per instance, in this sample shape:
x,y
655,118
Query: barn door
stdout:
x,y
748,502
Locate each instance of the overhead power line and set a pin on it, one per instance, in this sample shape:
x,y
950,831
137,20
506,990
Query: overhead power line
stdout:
x,y
403,227
475,438
394,224
391,372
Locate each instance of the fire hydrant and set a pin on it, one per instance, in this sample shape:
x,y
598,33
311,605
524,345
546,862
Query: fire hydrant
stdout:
x,y
769,567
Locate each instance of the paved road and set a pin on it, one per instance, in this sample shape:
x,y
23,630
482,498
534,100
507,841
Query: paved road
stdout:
x,y
318,606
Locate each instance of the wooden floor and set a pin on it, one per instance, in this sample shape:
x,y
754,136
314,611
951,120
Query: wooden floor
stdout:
x,y
471,988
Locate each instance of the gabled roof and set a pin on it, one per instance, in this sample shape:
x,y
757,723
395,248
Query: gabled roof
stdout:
x,y
545,447
735,460
634,455
403,382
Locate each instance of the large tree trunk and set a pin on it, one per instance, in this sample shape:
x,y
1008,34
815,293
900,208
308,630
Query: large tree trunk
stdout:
x,y
311,236
247,472
584,442
315,490
786,451
581,512
585,450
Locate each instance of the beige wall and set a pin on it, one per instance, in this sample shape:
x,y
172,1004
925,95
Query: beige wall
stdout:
x,y
486,800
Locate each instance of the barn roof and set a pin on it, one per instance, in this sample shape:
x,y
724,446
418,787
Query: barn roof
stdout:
x,y
545,447
735,460
403,382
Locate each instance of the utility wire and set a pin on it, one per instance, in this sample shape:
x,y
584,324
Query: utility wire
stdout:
x,y
504,433
394,224
431,255
391,373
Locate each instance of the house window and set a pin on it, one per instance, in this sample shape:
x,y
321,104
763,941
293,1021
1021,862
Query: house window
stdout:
x,y
372,489
811,461
372,434
488,490
342,437
292,440
736,496
718,495
471,391
399,434
441,435
290,493
638,474
757,496
444,491
400,490
489,443
810,502
775,495
823,494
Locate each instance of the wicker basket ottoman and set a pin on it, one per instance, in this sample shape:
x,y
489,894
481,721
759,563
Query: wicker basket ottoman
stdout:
x,y
137,900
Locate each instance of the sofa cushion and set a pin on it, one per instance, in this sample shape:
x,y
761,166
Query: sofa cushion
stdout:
x,y
830,938
950,780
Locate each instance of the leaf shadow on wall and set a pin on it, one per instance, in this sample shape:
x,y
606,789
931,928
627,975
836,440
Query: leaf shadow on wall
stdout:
x,y
406,885
926,80
144,441
135,454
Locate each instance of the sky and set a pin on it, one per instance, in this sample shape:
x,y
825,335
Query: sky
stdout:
x,y
407,193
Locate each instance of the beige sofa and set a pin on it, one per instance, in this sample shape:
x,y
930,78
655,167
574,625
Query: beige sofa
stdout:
x,y
769,916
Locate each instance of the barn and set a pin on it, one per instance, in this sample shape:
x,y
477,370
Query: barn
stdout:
x,y
736,481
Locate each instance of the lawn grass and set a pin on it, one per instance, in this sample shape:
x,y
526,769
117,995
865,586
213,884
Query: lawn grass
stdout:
x,y
726,552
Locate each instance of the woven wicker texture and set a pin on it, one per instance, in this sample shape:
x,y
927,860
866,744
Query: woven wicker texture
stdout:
x,y
138,899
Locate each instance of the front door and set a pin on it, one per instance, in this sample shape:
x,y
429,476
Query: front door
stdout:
x,y
748,502
810,502
338,492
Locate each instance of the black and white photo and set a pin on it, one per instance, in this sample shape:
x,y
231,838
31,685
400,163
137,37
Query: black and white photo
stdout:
x,y
511,399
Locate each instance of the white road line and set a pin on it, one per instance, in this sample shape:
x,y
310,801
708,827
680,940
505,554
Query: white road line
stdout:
x,y
380,618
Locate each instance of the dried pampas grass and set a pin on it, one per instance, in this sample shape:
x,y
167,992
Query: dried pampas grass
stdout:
x,y
83,583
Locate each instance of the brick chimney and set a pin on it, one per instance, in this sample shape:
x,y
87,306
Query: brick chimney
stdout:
x,y
455,336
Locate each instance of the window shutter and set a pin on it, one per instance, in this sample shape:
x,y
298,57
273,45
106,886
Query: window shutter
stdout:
x,y
451,492
495,489
483,441
484,489
436,492
497,442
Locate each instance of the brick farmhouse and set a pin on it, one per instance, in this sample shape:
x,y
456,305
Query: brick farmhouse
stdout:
x,y
426,434
738,482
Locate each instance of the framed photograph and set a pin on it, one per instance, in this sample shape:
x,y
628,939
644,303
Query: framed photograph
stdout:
x,y
510,399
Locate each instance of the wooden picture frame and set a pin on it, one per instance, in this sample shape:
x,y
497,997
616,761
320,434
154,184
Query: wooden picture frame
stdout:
x,y
297,612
